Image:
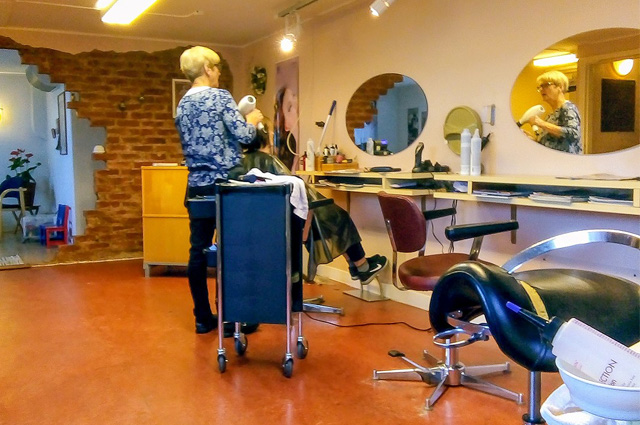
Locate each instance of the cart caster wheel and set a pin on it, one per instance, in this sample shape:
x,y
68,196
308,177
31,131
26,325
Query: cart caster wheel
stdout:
x,y
241,345
222,363
287,368
303,349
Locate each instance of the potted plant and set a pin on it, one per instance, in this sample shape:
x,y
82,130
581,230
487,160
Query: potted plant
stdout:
x,y
259,80
21,166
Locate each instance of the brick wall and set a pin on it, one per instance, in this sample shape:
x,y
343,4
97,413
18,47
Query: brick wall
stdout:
x,y
141,134
360,109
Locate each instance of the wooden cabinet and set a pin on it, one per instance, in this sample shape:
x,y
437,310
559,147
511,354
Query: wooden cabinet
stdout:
x,y
165,222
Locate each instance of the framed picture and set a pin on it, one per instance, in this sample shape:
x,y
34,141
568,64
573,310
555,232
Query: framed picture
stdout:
x,y
62,123
179,88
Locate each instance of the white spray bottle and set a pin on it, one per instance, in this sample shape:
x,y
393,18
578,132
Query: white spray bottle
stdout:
x,y
476,148
465,152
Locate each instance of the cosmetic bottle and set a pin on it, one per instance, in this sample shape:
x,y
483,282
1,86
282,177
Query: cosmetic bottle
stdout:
x,y
476,148
369,146
311,161
595,354
465,152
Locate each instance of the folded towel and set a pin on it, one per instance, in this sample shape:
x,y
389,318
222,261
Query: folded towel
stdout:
x,y
298,197
559,409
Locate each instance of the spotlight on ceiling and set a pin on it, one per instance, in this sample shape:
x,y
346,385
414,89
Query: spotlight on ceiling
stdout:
x,y
378,7
291,31
287,43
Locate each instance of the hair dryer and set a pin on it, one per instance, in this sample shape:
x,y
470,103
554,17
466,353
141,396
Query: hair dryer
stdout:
x,y
246,105
418,158
537,110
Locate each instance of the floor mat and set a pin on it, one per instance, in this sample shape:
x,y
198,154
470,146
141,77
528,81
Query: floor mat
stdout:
x,y
12,262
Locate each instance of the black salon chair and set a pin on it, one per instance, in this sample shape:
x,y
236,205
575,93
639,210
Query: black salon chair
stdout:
x,y
607,303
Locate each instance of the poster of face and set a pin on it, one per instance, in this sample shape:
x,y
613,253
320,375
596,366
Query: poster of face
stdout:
x,y
286,124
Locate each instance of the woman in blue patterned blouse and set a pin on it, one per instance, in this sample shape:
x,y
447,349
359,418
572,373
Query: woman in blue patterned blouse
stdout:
x,y
561,129
211,130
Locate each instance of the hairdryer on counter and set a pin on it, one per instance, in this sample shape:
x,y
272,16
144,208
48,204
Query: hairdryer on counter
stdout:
x,y
246,105
537,110
418,158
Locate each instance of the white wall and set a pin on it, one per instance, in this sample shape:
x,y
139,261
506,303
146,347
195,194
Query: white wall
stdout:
x,y
84,138
62,182
72,180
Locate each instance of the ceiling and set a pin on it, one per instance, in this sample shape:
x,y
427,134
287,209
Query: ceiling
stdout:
x,y
231,23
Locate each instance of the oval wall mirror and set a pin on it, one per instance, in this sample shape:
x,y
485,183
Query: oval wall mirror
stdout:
x,y
391,109
603,86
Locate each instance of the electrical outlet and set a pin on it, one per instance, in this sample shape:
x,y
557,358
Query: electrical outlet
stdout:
x,y
489,114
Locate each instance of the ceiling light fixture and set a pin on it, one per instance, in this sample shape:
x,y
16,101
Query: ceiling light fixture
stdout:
x,y
292,27
623,67
122,12
556,60
378,7
291,31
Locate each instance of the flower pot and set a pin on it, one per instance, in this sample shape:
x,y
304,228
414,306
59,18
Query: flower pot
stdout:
x,y
30,193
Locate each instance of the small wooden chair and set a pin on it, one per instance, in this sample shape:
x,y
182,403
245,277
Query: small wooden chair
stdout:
x,y
57,234
12,188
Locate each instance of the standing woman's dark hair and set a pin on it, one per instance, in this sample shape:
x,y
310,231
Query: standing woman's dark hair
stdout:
x,y
284,142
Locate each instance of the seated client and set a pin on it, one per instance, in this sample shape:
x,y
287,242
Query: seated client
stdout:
x,y
340,232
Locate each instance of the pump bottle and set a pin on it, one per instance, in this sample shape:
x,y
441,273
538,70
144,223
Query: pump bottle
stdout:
x,y
465,152
369,146
311,156
598,356
476,148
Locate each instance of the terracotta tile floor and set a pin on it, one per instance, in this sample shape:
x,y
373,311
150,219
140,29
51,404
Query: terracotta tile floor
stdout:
x,y
100,344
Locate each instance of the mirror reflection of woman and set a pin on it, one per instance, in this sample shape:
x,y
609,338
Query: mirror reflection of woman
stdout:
x,y
561,129
286,121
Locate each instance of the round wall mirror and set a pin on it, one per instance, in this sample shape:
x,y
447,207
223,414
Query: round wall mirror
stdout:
x,y
599,110
457,120
389,109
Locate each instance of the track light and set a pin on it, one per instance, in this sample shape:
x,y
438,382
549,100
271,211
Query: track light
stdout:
x,y
287,43
122,11
378,7
291,31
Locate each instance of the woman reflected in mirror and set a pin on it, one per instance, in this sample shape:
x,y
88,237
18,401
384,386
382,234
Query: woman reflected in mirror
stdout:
x,y
561,129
